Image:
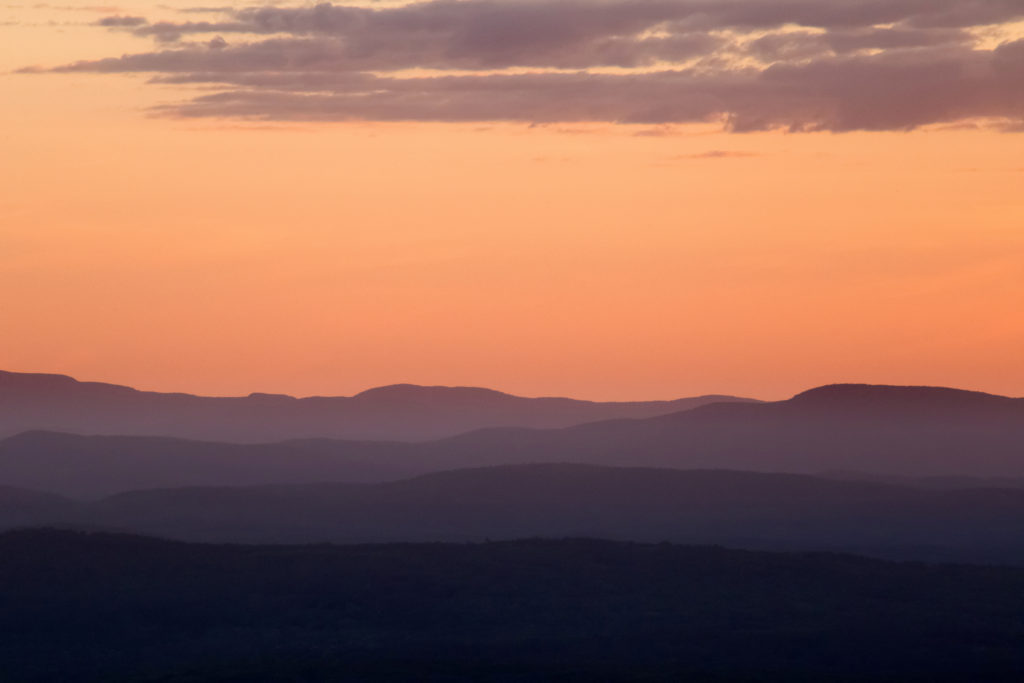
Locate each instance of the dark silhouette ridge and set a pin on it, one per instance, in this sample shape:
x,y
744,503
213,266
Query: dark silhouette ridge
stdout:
x,y
98,607
735,509
400,412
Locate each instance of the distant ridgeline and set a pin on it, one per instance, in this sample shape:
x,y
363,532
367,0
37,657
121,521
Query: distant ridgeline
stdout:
x,y
915,520
901,472
400,412
886,431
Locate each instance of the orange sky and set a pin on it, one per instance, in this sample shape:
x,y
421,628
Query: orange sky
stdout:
x,y
594,260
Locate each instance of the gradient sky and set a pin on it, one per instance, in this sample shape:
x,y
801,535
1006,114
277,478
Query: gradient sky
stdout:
x,y
614,199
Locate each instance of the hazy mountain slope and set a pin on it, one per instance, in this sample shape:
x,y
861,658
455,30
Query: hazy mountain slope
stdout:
x,y
940,483
22,507
737,509
890,431
103,608
400,412
90,466
911,431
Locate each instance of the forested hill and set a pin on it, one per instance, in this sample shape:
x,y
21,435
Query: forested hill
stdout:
x,y
100,608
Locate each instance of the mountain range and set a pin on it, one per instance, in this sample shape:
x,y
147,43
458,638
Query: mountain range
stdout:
x,y
736,509
881,431
403,412
902,472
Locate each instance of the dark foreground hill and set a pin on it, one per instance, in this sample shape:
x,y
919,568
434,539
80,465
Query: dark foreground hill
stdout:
x,y
400,412
943,434
105,608
735,509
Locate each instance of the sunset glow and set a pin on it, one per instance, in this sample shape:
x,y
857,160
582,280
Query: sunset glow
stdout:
x,y
582,245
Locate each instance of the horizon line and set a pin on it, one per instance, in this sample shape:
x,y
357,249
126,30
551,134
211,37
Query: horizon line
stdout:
x,y
481,387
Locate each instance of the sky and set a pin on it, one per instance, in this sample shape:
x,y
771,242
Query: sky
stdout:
x,y
605,199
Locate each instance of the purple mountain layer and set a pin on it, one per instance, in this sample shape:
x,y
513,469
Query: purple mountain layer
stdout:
x,y
401,412
885,431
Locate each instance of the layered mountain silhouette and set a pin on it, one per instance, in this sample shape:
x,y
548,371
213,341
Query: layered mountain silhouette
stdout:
x,y
88,466
22,507
909,431
400,412
736,509
884,431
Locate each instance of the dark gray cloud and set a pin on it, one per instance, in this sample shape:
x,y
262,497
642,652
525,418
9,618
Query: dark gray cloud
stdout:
x,y
503,23
121,22
862,93
755,64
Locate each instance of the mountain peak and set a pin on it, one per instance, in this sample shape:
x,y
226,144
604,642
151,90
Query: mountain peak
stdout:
x,y
864,394
401,391
34,379
260,395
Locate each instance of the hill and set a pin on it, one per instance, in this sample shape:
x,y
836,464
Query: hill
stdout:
x,y
906,431
97,607
405,412
90,466
881,431
735,509
22,507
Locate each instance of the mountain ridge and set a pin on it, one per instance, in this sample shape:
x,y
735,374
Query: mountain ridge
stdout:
x,y
8,377
403,412
756,511
915,433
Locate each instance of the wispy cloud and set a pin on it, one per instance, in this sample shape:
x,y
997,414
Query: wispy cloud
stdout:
x,y
121,21
717,154
803,65
102,9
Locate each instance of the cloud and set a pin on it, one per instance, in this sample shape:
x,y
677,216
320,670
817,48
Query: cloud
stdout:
x,y
104,9
223,9
717,154
121,22
803,65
